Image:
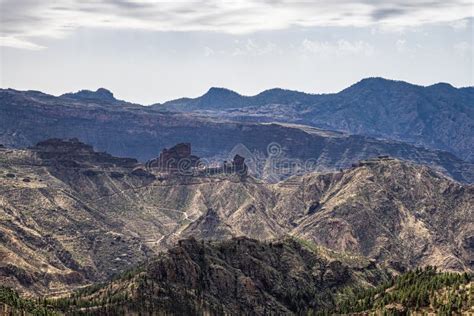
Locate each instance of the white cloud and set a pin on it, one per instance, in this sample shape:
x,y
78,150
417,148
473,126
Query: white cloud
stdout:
x,y
338,48
8,41
459,24
401,45
251,47
24,20
463,49
208,51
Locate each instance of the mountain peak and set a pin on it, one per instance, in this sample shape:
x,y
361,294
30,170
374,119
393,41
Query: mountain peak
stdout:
x,y
105,92
221,92
375,79
100,94
219,97
442,86
377,83
277,91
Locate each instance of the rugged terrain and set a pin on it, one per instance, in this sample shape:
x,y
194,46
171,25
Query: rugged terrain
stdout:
x,y
244,276
130,130
438,116
71,216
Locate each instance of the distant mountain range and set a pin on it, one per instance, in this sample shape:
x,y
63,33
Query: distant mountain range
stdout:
x,y
130,130
438,116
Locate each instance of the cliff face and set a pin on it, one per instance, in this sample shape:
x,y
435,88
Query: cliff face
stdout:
x,y
67,222
127,130
235,277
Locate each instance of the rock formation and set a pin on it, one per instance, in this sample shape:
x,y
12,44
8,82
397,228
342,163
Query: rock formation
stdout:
x,y
74,152
237,166
100,95
176,159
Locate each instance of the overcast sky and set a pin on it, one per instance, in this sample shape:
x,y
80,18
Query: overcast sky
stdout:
x,y
152,51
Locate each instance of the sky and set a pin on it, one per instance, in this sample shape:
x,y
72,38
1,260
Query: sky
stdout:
x,y
153,51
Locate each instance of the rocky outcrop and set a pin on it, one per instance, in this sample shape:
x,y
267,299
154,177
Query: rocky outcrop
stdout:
x,y
72,153
100,95
237,166
176,159
179,160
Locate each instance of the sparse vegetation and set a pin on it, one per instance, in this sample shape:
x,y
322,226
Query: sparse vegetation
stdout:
x,y
12,304
419,290
347,258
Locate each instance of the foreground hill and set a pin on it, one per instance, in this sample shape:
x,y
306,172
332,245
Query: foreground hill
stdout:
x,y
72,216
438,116
128,130
233,277
245,276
